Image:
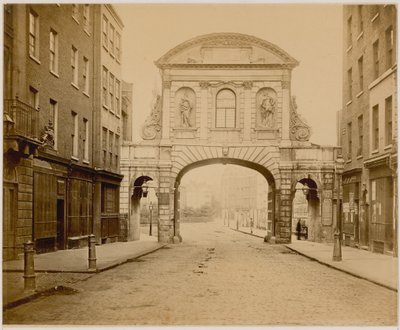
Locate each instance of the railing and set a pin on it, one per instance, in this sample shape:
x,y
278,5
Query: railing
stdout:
x,y
25,118
109,225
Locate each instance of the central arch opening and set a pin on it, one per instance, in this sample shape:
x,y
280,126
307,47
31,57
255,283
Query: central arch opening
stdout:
x,y
236,193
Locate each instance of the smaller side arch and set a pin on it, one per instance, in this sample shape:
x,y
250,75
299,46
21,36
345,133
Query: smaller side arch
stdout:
x,y
134,207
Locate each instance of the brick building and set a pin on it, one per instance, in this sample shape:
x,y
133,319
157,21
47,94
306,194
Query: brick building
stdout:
x,y
50,117
127,110
368,130
107,122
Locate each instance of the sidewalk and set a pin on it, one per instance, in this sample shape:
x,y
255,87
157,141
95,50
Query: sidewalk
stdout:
x,y
377,268
65,267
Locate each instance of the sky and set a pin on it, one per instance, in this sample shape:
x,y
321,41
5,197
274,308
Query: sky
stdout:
x,y
312,34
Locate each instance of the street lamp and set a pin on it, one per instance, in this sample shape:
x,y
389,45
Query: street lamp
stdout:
x,y
151,218
145,189
305,189
337,245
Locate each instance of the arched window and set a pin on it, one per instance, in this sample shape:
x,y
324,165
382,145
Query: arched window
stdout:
x,y
225,115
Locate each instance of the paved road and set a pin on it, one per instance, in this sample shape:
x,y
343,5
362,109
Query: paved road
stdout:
x,y
216,277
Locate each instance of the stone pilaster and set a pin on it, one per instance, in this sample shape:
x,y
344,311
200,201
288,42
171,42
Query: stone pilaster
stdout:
x,y
203,109
247,110
165,134
165,209
283,230
23,228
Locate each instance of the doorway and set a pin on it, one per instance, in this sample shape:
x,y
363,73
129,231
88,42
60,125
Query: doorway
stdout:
x,y
9,212
60,225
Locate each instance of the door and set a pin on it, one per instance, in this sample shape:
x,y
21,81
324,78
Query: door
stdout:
x,y
364,220
60,225
9,212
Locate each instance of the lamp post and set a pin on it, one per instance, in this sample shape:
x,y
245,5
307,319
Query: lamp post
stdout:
x,y
337,246
305,189
151,218
145,189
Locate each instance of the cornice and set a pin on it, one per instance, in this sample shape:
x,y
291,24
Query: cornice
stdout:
x,y
114,13
224,66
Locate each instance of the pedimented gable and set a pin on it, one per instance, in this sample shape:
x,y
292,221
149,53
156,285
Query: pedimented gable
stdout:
x,y
226,48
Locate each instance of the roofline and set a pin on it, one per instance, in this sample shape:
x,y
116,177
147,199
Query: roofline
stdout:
x,y
114,13
162,61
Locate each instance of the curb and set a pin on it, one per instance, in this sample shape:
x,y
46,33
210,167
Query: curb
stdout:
x,y
88,271
343,270
59,288
36,295
327,264
244,232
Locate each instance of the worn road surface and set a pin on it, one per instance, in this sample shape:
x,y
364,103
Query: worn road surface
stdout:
x,y
216,277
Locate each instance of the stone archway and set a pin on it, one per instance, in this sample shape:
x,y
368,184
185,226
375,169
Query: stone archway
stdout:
x,y
232,161
190,125
310,189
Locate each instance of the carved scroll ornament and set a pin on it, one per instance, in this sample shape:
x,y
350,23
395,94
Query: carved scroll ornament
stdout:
x,y
152,125
299,130
47,138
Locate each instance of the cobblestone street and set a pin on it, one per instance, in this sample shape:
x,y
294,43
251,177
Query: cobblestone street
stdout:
x,y
216,277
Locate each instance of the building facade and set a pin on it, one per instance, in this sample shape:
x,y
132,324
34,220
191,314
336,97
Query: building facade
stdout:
x,y
244,197
107,131
368,130
127,109
50,104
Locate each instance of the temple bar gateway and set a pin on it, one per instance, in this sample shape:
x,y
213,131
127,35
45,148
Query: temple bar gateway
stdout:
x,y
226,99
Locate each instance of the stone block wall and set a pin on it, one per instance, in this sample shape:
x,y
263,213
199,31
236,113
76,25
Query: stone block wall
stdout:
x,y
23,226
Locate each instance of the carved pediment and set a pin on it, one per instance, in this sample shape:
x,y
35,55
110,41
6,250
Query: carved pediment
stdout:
x,y
226,49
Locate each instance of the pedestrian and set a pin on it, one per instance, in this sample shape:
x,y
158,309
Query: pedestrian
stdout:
x,y
251,225
298,229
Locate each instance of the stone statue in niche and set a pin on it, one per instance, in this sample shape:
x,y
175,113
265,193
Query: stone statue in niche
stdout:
x,y
267,110
185,108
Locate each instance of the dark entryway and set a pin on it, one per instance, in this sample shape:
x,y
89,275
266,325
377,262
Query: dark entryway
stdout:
x,y
9,212
60,225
